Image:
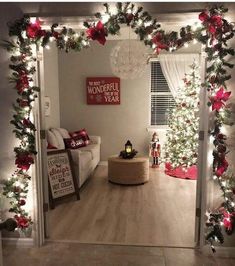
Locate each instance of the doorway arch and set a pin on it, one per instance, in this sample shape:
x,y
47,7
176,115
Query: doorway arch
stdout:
x,y
27,34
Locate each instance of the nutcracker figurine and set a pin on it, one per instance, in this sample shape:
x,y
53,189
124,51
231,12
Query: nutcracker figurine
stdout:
x,y
155,150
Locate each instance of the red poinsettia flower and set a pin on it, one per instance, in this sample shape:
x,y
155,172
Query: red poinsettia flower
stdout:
x,y
203,16
27,122
22,202
227,220
22,82
222,168
22,221
23,161
22,102
55,34
158,40
97,33
212,29
219,99
34,30
216,20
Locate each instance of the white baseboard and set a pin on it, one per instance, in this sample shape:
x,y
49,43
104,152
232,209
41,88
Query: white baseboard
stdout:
x,y
18,242
103,163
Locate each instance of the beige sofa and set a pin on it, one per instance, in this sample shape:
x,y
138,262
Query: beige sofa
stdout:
x,y
84,159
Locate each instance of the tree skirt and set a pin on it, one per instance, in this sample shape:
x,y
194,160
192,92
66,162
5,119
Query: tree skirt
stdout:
x,y
190,173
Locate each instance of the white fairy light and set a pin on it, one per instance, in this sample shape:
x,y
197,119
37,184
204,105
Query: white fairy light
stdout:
x,y
31,97
76,35
149,36
105,18
223,183
223,130
195,41
23,34
17,53
232,204
154,46
215,177
186,45
226,198
140,21
148,23
211,139
84,43
66,38
28,130
51,39
128,11
33,20
26,108
17,183
47,47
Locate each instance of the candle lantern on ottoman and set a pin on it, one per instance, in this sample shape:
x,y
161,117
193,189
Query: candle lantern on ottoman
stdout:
x,y
128,147
129,152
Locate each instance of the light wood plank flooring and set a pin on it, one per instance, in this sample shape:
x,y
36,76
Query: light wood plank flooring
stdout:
x,y
158,213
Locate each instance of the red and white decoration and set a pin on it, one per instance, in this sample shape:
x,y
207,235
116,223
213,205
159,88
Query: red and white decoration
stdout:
x,y
103,90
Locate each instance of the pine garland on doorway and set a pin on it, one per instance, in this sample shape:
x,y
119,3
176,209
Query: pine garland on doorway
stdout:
x,y
27,34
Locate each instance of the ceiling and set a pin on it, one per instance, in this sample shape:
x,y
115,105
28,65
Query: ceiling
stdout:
x,y
89,8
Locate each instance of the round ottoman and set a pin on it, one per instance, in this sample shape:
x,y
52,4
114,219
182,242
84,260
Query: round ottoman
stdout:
x,y
128,171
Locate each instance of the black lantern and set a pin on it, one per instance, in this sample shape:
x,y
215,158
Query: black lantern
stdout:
x,y
128,153
128,147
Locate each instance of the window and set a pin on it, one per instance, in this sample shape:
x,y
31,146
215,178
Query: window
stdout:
x,y
161,98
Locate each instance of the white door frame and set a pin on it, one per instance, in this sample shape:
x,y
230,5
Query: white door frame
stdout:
x,y
42,199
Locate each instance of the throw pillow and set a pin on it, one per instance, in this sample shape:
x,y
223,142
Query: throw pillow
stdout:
x,y
81,134
74,143
51,147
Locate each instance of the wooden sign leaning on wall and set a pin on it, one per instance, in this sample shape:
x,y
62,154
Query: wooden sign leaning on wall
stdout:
x,y
61,178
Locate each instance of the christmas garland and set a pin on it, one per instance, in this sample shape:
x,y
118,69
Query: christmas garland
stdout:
x,y
213,32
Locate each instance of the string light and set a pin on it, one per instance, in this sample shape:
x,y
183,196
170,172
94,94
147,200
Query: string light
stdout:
x,y
105,18
33,20
140,21
148,23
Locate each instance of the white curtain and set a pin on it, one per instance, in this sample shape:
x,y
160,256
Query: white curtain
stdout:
x,y
174,68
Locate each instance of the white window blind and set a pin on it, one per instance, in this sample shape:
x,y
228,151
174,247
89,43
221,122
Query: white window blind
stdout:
x,y
161,98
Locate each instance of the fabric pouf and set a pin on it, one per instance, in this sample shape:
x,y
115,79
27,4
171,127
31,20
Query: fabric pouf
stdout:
x,y
128,171
190,173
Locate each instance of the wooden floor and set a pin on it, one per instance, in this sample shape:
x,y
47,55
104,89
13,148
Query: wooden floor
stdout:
x,y
159,213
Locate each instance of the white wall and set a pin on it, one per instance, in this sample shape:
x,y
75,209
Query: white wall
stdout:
x,y
114,123
51,83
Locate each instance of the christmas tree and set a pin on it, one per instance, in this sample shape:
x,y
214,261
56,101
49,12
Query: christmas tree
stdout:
x,y
182,138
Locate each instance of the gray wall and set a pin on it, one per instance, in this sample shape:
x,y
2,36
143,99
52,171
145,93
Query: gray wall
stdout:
x,y
114,123
51,83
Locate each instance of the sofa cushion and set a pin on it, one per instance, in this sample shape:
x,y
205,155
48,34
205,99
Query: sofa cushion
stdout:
x,y
83,158
59,138
81,134
74,143
63,132
93,148
51,138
